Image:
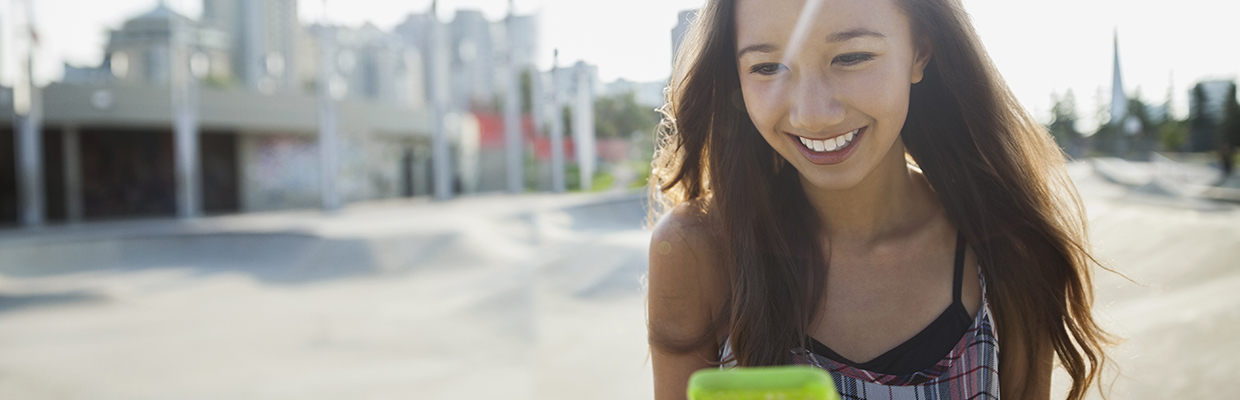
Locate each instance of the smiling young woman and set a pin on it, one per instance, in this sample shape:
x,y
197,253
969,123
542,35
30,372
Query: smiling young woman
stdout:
x,y
850,184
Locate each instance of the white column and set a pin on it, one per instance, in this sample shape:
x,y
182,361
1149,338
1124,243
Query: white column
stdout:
x,y
254,51
538,98
513,143
583,125
440,158
29,145
184,97
75,208
557,135
28,121
289,29
328,124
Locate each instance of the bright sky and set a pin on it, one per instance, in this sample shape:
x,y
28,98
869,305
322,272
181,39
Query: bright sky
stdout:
x,y
1039,46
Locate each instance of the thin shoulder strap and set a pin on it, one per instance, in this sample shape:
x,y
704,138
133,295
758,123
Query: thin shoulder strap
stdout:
x,y
958,275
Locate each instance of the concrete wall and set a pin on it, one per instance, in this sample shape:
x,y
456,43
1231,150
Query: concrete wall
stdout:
x,y
281,171
277,172
128,105
491,170
277,155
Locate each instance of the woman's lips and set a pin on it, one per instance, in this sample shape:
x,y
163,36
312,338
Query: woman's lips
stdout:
x,y
828,151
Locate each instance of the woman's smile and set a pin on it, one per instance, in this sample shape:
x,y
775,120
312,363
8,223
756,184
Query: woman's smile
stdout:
x,y
831,150
840,96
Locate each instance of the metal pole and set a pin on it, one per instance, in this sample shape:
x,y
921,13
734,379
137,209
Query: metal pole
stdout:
x,y
440,158
557,130
328,124
75,209
512,117
583,126
28,110
537,99
185,125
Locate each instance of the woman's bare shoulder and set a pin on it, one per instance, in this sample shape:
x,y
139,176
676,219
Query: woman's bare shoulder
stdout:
x,y
689,216
687,286
684,234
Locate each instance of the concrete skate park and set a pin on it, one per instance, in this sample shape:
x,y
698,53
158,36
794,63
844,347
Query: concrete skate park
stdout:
x,y
517,297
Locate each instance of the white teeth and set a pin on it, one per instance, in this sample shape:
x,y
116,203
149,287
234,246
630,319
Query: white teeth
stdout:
x,y
831,144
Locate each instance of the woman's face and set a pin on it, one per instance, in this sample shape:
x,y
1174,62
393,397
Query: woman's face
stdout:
x,y
835,108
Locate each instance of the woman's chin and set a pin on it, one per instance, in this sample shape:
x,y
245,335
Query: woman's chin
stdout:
x,y
829,181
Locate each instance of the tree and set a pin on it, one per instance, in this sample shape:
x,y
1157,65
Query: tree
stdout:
x,y
1142,142
620,115
1063,124
1173,134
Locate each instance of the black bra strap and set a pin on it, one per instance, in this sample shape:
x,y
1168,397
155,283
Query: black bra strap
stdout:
x,y
958,274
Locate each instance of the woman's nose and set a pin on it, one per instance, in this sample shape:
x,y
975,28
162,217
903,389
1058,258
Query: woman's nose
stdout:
x,y
814,105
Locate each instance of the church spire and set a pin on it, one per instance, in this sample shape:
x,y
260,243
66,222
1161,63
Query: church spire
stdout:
x,y
1119,101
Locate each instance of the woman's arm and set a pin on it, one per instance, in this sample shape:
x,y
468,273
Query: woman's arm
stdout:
x,y
686,292
1026,383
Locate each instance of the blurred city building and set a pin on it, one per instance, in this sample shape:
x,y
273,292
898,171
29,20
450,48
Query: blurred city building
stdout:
x,y
487,60
267,46
108,143
1207,100
646,93
377,66
474,60
1134,130
269,101
683,20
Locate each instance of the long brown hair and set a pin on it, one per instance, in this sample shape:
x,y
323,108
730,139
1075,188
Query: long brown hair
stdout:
x,y
998,174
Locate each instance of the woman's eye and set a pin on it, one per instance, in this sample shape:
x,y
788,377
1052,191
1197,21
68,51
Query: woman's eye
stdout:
x,y
853,59
765,69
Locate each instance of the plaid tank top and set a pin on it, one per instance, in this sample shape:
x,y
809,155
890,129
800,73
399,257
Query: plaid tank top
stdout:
x,y
969,371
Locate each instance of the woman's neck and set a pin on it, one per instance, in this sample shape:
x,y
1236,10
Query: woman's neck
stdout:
x,y
890,202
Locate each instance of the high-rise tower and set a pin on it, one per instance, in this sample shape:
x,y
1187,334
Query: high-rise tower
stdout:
x,y
684,20
264,39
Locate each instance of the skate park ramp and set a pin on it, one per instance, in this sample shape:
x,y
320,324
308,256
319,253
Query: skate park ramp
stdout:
x,y
538,295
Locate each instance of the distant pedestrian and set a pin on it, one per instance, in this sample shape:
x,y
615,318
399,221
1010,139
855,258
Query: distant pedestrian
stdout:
x,y
852,186
1226,156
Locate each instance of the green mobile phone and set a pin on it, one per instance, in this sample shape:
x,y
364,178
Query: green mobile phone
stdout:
x,y
763,383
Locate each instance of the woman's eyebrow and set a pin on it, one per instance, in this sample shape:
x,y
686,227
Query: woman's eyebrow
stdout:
x,y
760,48
853,34
832,38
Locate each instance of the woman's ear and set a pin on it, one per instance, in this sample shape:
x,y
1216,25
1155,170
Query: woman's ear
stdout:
x,y
921,56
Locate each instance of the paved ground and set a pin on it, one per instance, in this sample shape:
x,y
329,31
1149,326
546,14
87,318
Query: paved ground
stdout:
x,y
1181,320
536,297
532,297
